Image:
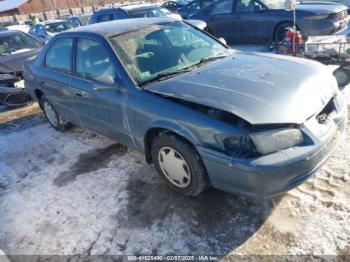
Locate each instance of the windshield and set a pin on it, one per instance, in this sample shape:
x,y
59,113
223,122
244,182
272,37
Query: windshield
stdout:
x,y
13,44
58,27
273,4
150,12
164,49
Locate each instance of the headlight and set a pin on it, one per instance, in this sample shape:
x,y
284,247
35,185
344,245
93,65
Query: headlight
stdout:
x,y
240,146
274,140
317,17
5,77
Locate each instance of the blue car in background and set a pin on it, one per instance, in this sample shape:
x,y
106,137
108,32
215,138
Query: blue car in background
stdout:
x,y
138,11
248,123
267,20
130,11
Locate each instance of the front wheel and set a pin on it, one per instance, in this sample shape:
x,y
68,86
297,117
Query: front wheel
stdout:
x,y
179,164
55,120
280,31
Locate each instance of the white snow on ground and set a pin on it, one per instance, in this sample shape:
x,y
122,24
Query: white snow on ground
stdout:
x,y
80,193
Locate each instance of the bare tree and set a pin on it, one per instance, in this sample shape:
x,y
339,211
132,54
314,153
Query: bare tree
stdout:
x,y
53,4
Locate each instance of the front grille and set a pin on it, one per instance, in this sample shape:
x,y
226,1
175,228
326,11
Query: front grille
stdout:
x,y
339,16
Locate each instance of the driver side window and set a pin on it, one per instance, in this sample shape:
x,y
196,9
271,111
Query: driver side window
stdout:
x,y
92,61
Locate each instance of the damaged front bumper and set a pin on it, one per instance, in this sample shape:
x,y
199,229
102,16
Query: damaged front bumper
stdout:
x,y
12,90
279,172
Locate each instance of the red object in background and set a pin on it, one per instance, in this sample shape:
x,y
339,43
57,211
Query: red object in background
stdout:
x,y
290,36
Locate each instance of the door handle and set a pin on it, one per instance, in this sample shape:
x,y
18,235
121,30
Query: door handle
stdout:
x,y
81,93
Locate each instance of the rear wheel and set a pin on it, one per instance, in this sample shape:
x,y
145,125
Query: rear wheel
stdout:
x,y
342,75
55,120
179,164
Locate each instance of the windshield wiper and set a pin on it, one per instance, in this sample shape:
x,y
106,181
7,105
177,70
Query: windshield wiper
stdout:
x,y
210,58
167,75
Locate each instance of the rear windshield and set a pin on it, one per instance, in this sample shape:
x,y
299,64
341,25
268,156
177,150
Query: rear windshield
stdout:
x,y
58,27
13,44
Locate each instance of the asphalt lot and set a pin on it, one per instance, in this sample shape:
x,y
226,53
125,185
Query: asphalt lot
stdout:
x,y
78,193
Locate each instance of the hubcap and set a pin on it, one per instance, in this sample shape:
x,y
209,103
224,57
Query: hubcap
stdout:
x,y
174,167
50,113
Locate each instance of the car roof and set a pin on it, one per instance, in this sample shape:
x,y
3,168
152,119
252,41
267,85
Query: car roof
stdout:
x,y
137,6
51,21
127,7
10,32
119,26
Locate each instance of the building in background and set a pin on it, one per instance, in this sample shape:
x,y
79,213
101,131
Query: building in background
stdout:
x,y
21,7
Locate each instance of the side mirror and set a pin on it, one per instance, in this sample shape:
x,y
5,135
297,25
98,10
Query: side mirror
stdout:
x,y
106,83
222,40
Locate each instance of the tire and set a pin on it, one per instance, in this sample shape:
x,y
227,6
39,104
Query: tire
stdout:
x,y
170,152
280,31
54,119
343,76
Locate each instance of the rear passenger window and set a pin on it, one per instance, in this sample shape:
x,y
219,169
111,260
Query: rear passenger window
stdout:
x,y
194,6
106,17
58,57
119,14
92,61
223,7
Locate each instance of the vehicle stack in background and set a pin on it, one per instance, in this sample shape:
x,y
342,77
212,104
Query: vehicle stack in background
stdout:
x,y
15,48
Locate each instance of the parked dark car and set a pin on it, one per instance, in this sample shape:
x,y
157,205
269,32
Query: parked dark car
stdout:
x,y
266,20
248,123
44,31
192,7
138,11
174,5
15,48
130,11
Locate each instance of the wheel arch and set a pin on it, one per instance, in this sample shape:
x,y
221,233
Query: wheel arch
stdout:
x,y
170,128
38,95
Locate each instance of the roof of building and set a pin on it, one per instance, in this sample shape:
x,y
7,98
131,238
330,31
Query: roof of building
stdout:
x,y
7,5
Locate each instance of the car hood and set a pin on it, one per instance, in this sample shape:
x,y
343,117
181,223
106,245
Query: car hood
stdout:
x,y
260,88
13,63
319,7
